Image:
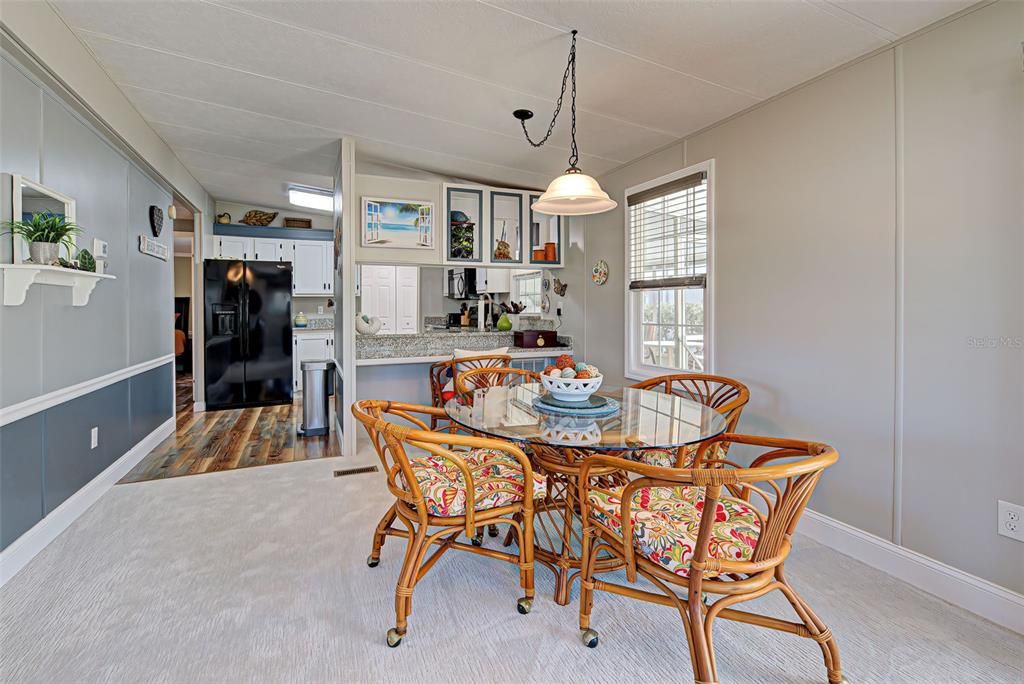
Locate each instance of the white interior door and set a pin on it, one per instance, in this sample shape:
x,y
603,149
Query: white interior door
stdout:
x,y
407,299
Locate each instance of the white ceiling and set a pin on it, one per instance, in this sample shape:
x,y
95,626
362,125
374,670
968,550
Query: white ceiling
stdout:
x,y
254,95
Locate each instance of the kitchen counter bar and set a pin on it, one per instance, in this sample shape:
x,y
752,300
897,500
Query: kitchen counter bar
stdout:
x,y
438,345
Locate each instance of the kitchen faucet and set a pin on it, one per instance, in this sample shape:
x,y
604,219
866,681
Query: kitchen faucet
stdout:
x,y
483,321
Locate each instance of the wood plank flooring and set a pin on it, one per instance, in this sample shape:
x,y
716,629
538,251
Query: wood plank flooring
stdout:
x,y
224,440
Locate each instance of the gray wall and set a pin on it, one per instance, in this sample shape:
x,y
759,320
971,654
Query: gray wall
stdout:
x,y
45,458
47,344
868,238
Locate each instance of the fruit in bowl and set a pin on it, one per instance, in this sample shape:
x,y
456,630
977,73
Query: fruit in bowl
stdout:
x,y
570,381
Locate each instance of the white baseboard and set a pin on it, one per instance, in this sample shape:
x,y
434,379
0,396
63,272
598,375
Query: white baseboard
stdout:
x,y
199,406
24,548
990,601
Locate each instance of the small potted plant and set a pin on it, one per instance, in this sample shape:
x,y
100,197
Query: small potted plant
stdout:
x,y
45,233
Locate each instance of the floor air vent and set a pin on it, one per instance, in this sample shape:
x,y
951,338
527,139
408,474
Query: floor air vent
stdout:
x,y
355,471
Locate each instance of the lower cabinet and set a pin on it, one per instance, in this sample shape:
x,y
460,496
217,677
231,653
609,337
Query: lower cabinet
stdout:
x,y
309,346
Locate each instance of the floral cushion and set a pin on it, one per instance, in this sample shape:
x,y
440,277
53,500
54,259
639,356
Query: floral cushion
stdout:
x,y
665,458
666,520
497,477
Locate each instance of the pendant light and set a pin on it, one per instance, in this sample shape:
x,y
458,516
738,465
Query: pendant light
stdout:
x,y
574,193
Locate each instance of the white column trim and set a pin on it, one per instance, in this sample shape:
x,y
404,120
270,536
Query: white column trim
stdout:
x,y
23,409
28,545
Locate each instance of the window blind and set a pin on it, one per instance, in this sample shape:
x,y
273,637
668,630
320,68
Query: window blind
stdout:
x,y
668,234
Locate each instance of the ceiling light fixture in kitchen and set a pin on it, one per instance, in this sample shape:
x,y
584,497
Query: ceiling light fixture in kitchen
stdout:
x,y
574,193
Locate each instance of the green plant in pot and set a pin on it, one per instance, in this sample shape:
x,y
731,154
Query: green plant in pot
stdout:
x,y
45,233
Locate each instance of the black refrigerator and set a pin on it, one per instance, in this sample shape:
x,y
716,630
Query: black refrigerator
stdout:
x,y
248,333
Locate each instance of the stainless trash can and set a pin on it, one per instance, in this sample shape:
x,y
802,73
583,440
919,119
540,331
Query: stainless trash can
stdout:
x,y
317,387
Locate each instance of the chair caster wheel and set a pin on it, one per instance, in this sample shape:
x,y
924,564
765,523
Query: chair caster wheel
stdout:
x,y
478,539
589,638
492,530
394,638
524,605
372,562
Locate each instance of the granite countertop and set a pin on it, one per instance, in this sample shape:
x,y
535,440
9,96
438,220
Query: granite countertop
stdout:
x,y
317,322
434,344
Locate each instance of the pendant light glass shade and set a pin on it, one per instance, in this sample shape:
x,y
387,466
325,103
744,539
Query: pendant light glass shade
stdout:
x,y
574,193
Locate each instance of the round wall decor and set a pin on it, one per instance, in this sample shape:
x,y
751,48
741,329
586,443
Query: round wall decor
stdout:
x,y
600,272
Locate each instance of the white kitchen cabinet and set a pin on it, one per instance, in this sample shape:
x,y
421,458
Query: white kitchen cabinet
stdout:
x,y
311,271
232,247
493,280
391,294
328,248
378,295
270,249
309,346
407,299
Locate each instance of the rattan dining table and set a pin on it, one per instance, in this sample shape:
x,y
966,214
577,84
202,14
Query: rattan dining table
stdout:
x,y
559,442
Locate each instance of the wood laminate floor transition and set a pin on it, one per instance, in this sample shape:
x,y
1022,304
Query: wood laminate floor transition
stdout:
x,y
213,441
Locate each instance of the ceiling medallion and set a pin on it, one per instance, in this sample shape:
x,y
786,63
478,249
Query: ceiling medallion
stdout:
x,y
574,193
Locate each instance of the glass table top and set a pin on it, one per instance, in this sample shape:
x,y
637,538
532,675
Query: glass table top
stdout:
x,y
645,419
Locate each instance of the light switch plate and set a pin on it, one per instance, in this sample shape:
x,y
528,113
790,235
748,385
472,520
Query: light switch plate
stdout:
x,y
100,249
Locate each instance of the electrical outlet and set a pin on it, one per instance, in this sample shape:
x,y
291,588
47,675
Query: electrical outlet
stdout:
x,y
1011,520
94,438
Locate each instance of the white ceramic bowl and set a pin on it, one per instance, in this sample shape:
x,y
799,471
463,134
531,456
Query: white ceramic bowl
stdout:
x,y
571,389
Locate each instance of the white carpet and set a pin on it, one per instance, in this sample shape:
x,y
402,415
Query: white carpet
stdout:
x,y
259,575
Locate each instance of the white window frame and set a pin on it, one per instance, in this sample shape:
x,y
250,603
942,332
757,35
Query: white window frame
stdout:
x,y
635,368
521,275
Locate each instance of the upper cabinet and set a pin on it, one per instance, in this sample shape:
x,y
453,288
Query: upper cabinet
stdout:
x,y
464,224
506,227
545,237
232,247
270,249
488,226
312,273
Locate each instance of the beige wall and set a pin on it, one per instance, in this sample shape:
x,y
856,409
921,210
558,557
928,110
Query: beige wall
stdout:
x,y
868,225
237,211
182,276
388,187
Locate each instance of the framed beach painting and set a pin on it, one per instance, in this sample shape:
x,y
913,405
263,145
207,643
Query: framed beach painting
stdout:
x,y
395,223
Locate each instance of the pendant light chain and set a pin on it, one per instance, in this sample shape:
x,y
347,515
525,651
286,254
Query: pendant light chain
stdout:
x,y
570,68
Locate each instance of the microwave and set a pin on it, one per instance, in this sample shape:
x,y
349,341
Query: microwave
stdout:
x,y
462,283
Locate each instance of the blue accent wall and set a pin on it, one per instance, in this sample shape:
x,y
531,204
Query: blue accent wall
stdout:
x,y
45,458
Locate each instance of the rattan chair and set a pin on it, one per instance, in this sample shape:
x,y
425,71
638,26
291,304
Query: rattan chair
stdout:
x,y
479,378
443,371
674,527
724,394
457,484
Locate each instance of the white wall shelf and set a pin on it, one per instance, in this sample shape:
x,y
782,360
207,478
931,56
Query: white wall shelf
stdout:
x,y
19,277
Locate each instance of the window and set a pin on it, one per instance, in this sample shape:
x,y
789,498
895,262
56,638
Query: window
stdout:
x,y
667,253
526,289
